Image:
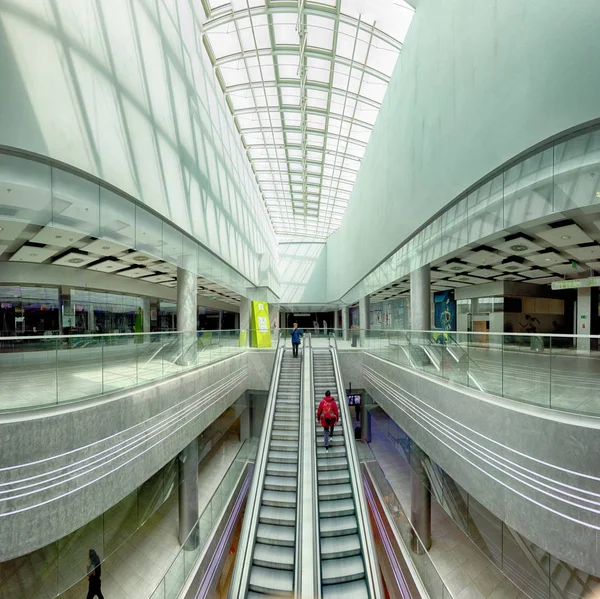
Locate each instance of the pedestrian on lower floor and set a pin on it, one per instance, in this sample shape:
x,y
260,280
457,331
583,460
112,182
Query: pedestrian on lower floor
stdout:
x,y
94,573
328,414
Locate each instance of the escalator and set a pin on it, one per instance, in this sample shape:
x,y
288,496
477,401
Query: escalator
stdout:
x,y
346,559
267,553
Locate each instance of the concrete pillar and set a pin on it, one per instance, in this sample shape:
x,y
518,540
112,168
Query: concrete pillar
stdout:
x,y
584,318
420,299
420,501
245,319
364,318
187,319
146,315
91,319
365,420
188,496
220,320
245,424
345,324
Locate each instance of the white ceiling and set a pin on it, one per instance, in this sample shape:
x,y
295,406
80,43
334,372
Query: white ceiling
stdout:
x,y
304,81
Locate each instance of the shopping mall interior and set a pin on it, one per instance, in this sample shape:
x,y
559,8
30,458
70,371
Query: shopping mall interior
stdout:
x,y
217,215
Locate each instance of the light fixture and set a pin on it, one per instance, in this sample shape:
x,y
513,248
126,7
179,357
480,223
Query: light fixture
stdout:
x,y
565,237
519,247
106,247
547,259
598,194
140,258
75,260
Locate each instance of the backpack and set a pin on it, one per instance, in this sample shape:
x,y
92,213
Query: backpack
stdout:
x,y
329,416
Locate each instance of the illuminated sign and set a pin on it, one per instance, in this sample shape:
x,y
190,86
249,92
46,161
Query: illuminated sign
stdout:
x,y
577,283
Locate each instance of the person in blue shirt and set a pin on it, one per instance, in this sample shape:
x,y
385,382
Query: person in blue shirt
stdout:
x,y
296,333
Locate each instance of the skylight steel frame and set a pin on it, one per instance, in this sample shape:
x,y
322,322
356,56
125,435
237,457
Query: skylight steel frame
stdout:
x,y
314,147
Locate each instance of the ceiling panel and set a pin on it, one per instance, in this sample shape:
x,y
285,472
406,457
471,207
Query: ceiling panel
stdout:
x,y
560,237
57,237
75,260
32,253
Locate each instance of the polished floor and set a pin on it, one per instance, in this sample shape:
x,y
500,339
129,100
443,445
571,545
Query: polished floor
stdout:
x,y
466,572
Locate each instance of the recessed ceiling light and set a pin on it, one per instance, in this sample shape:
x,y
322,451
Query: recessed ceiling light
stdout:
x,y
547,259
33,255
75,260
58,237
519,247
140,258
565,237
106,247
598,194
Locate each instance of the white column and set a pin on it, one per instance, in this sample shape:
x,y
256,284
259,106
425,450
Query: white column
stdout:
x,y
364,318
245,318
188,496
146,315
584,315
420,299
187,319
345,323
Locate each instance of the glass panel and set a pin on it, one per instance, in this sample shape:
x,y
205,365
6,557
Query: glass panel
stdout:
x,y
117,218
119,362
120,522
486,209
75,203
485,531
525,562
79,367
454,227
528,189
148,233
25,194
530,383
577,172
73,549
24,576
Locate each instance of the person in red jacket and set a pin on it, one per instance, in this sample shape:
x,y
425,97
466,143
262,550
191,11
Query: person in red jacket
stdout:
x,y
328,414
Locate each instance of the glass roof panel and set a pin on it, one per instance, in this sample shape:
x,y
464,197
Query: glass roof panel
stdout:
x,y
305,81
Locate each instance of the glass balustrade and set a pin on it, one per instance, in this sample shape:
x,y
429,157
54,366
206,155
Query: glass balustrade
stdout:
x,y
40,371
554,371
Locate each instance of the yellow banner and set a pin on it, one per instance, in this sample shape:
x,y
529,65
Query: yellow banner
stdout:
x,y
261,329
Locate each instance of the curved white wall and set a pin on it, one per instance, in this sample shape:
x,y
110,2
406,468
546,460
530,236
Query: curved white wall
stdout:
x,y
477,83
126,92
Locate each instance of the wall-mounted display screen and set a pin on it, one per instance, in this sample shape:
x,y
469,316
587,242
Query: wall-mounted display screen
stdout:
x,y
354,400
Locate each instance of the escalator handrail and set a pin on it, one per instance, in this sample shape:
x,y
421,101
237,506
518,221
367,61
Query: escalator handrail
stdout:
x,y
308,558
241,572
360,503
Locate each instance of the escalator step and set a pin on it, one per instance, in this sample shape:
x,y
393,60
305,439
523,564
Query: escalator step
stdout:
x,y
279,498
338,527
283,470
274,556
327,463
284,457
336,507
280,483
271,581
333,477
348,590
283,536
342,569
280,516
333,547
332,492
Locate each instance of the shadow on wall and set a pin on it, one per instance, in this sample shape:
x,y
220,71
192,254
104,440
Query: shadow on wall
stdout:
x,y
127,93
303,272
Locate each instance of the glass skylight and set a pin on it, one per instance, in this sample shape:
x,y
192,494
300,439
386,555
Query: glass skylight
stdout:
x,y
304,81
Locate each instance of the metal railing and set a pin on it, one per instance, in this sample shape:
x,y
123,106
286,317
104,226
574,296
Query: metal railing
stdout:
x,y
360,503
243,563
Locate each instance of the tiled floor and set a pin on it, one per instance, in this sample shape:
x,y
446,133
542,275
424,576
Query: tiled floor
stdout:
x,y
134,570
467,573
